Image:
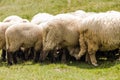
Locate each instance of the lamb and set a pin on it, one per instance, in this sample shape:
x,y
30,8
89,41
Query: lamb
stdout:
x,y
99,32
41,17
24,35
60,32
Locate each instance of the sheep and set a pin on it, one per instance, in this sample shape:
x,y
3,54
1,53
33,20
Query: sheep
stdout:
x,y
25,21
41,17
112,11
77,14
3,28
53,54
82,14
24,35
99,32
15,18
61,32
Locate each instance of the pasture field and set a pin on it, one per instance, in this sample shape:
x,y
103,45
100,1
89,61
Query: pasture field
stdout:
x,y
69,71
56,71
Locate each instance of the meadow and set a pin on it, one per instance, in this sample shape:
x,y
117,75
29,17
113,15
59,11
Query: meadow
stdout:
x,y
78,70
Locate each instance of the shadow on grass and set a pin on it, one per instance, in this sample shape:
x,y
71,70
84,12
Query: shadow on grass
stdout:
x,y
84,65
3,64
102,64
78,64
19,63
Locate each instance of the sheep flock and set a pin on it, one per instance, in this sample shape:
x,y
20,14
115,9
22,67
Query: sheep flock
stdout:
x,y
74,36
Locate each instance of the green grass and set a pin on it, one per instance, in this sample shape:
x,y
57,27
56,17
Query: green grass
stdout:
x,y
71,71
28,8
58,71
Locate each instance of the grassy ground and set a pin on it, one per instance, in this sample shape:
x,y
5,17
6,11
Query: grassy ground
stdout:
x,y
71,71
28,8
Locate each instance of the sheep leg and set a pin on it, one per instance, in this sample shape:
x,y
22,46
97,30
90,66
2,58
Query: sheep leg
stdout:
x,y
20,53
71,51
36,56
119,55
14,55
92,48
87,58
53,55
118,58
63,59
93,59
31,53
83,47
43,55
26,53
9,58
3,55
23,56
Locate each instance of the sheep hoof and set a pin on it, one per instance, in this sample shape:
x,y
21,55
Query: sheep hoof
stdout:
x,y
3,60
15,62
77,58
95,64
118,59
63,61
35,61
41,61
9,64
88,62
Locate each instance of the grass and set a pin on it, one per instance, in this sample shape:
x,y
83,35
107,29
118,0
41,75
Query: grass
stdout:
x,y
28,8
70,71
46,71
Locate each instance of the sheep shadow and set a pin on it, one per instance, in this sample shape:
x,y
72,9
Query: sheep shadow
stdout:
x,y
20,62
3,64
102,64
81,64
78,64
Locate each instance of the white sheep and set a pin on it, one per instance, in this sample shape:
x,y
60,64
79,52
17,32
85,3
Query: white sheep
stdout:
x,y
41,17
15,18
24,35
99,32
82,14
3,28
79,13
60,32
